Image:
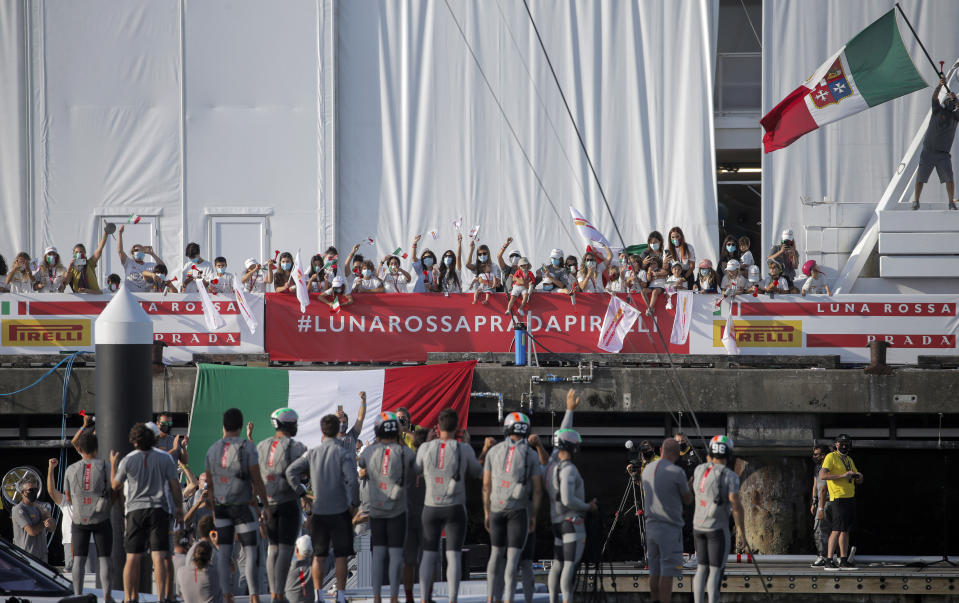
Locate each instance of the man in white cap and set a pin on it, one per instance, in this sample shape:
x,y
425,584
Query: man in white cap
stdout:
x,y
253,279
785,252
554,276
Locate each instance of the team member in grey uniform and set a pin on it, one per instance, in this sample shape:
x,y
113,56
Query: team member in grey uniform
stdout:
x,y
387,468
665,491
87,489
348,438
511,479
145,473
445,464
937,145
299,585
31,522
197,579
276,454
233,475
716,488
548,461
415,497
820,500
333,477
567,512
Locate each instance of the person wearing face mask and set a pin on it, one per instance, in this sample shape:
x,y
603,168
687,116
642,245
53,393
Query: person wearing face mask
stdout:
x,y
31,521
367,282
82,271
706,281
253,279
449,273
483,258
484,284
354,261
729,251
615,283
20,278
134,265
166,441
282,278
337,290
841,477
195,269
507,268
316,278
3,272
553,276
395,279
590,277
224,279
157,279
653,279
937,145
113,282
654,249
425,269
681,251
52,276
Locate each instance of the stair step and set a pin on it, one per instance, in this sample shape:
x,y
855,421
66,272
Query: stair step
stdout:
x,y
918,266
916,243
923,220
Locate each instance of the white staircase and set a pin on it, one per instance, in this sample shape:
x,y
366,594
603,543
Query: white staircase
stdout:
x,y
919,244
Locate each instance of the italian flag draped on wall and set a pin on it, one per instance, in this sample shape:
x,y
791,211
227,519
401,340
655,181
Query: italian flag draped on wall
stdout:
x,y
424,390
871,69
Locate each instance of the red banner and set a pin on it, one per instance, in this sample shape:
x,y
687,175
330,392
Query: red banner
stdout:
x,y
405,327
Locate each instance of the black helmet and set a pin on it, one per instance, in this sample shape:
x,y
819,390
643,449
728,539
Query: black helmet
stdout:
x,y
516,423
387,425
721,447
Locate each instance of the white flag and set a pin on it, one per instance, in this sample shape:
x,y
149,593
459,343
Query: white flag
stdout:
x,y
302,293
211,317
245,312
729,336
684,317
586,229
620,318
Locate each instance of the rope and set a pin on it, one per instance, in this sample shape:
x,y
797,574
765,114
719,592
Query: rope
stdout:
x,y
69,358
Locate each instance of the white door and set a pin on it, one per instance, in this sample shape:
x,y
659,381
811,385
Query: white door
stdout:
x,y
143,233
237,238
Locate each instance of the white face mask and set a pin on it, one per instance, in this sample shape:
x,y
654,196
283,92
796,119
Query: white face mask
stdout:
x,y
367,273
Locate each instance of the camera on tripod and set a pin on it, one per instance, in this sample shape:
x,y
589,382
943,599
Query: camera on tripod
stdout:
x,y
646,454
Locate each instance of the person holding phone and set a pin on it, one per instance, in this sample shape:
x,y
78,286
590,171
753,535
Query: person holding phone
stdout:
x,y
785,253
841,476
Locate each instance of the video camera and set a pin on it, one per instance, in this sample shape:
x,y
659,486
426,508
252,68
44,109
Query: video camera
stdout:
x,y
646,453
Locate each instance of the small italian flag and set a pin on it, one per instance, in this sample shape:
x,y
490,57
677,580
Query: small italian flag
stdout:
x,y
424,390
871,69
335,308
133,219
399,251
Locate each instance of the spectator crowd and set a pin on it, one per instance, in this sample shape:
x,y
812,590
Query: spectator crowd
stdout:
x,y
656,269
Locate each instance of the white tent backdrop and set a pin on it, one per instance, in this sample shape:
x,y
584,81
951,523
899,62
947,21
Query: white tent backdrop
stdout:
x,y
225,122
422,142
850,161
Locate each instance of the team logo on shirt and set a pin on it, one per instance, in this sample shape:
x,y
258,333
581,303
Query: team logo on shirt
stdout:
x,y
761,333
52,332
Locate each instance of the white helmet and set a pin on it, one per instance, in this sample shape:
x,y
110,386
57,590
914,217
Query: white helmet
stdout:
x,y
754,274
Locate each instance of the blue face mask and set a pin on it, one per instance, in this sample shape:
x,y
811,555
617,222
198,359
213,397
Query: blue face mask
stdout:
x,y
730,248
482,257
590,263
557,262
448,260
704,272
654,246
139,256
220,269
547,286
367,273
286,265
428,262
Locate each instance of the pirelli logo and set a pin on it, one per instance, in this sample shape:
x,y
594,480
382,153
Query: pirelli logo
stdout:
x,y
761,333
57,333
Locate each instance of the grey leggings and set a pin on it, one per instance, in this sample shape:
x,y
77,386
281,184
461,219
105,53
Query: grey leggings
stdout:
x,y
712,548
569,541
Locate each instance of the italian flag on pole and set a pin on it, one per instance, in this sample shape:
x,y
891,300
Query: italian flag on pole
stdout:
x,y
424,390
871,69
